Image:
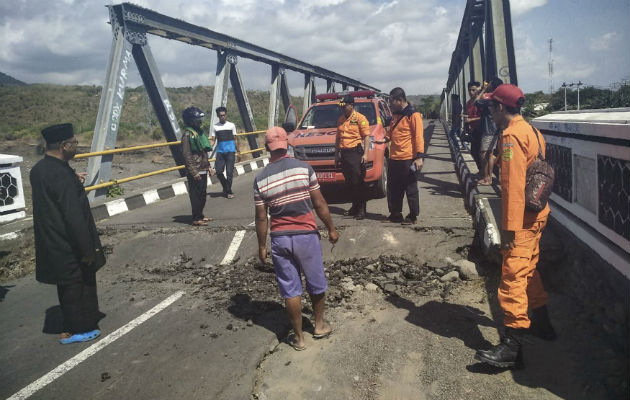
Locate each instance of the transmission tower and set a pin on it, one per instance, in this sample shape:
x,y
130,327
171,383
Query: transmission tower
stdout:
x,y
550,66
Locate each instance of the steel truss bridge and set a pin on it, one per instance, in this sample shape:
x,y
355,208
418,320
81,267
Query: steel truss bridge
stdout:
x,y
130,26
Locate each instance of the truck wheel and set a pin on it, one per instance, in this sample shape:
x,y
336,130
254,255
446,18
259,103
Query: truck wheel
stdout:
x,y
380,190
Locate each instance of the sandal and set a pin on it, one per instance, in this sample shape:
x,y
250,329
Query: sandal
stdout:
x,y
325,334
200,223
207,219
81,337
291,342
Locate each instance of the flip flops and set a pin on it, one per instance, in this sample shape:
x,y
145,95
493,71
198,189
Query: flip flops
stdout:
x,y
324,335
291,342
81,337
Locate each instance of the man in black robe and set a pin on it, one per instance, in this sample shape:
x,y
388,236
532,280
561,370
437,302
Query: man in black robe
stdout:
x,y
68,251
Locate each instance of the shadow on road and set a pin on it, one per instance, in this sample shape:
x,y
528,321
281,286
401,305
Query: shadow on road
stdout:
x,y
267,314
53,322
442,188
447,320
4,290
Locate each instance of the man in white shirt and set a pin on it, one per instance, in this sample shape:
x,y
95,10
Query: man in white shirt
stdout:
x,y
223,136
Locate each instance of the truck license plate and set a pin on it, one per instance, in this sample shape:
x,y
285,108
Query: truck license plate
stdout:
x,y
325,176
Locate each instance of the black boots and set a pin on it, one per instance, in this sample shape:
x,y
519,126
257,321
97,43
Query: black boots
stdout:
x,y
507,354
541,325
361,212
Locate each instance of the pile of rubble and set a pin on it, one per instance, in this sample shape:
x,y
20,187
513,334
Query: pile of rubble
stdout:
x,y
254,282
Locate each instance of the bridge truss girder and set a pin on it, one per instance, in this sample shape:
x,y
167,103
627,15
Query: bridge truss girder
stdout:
x,y
484,48
130,26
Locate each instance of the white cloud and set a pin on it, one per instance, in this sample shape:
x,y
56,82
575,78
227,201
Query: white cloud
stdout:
x,y
383,43
603,42
520,7
384,7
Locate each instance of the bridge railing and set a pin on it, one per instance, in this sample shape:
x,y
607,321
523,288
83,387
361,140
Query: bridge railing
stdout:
x,y
114,182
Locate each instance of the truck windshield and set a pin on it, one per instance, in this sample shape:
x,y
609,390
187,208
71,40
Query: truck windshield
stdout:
x,y
326,116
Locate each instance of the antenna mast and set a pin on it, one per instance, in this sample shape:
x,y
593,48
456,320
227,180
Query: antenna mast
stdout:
x,y
550,66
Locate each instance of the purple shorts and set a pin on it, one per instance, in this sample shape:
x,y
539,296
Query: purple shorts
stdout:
x,y
292,254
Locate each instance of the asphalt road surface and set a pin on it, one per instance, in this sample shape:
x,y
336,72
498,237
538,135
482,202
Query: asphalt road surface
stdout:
x,y
192,314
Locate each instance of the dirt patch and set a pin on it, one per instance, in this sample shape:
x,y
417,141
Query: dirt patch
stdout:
x,y
17,256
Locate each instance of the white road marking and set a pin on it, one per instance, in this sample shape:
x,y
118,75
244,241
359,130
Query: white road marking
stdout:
x,y
252,223
236,242
29,390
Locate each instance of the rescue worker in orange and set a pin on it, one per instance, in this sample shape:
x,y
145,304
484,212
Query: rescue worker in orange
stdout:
x,y
521,287
351,149
406,154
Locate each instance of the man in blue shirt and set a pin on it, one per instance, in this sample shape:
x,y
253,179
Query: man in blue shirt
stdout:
x,y
223,135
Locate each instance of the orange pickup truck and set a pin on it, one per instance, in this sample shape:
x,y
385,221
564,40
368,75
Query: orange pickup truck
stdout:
x,y
313,140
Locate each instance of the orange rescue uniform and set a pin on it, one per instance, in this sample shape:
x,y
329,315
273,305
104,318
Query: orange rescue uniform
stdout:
x,y
407,140
521,286
352,130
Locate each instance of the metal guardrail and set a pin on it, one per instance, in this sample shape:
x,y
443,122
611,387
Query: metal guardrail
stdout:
x,y
148,174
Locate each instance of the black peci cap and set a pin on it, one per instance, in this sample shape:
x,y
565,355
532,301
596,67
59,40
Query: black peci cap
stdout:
x,y
58,133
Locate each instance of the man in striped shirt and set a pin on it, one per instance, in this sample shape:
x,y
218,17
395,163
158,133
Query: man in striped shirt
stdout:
x,y
289,189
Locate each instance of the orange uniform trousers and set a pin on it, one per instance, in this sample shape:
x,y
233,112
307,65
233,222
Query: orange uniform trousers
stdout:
x,y
521,286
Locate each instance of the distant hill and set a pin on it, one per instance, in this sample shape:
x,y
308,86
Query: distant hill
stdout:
x,y
6,80
26,109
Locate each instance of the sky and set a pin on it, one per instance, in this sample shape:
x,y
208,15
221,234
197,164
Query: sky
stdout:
x,y
383,43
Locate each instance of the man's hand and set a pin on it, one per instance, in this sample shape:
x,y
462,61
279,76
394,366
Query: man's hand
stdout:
x,y
197,177
211,171
419,163
262,254
333,236
81,176
364,158
507,240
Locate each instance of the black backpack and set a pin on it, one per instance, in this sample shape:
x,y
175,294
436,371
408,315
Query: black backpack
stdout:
x,y
538,181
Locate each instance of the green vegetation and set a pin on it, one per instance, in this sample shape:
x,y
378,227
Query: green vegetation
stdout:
x,y
115,190
590,98
26,109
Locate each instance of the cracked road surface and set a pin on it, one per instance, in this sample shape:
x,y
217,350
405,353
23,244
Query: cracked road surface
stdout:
x,y
407,324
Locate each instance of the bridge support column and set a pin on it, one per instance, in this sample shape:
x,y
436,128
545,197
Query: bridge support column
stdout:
x,y
273,96
499,36
330,86
159,99
309,92
284,90
222,79
110,108
476,68
465,79
242,103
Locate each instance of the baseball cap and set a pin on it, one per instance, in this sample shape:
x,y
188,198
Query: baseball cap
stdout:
x,y
276,138
507,94
347,99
